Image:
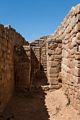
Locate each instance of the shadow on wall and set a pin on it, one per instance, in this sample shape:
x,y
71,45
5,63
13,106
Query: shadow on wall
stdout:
x,y
21,68
28,105
38,75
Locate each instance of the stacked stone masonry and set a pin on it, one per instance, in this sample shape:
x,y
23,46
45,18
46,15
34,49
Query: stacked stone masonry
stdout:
x,y
54,57
6,65
53,60
39,61
64,57
10,40
22,66
71,56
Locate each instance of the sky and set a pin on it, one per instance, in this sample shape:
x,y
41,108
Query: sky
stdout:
x,y
34,18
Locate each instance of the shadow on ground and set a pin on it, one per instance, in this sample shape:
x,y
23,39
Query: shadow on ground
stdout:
x,y
25,106
29,105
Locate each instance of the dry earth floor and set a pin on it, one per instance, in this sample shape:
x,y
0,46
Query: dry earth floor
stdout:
x,y
40,105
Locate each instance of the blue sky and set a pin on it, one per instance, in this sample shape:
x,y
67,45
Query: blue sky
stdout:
x,y
34,18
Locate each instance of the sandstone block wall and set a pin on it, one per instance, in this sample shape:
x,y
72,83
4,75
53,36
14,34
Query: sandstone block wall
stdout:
x,y
63,56
39,61
44,55
9,39
22,67
35,62
6,65
71,56
54,58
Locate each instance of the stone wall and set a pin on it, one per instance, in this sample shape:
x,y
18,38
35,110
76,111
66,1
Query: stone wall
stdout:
x,y
44,55
71,56
39,61
35,62
22,67
9,39
6,65
63,56
54,57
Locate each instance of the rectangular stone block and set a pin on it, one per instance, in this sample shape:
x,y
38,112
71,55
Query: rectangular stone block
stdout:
x,y
53,81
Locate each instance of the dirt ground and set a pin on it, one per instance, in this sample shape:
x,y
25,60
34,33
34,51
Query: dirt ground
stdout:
x,y
40,105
